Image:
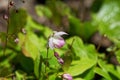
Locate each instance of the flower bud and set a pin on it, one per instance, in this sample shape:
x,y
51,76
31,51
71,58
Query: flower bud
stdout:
x,y
56,55
61,61
23,31
67,77
11,3
16,40
5,17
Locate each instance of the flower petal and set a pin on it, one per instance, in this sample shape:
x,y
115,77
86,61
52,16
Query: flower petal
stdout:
x,y
58,43
51,44
60,33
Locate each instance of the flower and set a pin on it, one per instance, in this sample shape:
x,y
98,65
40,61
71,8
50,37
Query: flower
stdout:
x,y
56,41
5,16
67,76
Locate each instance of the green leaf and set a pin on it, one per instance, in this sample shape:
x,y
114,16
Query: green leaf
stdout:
x,y
47,31
118,69
74,25
31,24
17,21
103,70
113,70
87,56
53,77
89,74
84,30
20,75
53,62
80,66
29,45
5,59
37,66
118,55
108,68
109,11
79,79
43,11
5,62
102,73
108,19
78,47
102,64
81,50
25,62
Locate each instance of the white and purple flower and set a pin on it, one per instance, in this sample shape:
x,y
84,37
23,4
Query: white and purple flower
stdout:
x,y
67,76
56,41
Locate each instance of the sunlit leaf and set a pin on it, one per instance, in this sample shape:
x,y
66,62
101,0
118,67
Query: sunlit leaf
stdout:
x,y
102,73
81,50
79,79
89,74
19,75
118,55
102,70
38,66
118,69
43,11
29,45
105,69
80,66
113,71
108,18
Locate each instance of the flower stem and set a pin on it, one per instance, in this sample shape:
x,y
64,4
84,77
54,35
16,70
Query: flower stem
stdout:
x,y
8,14
46,63
72,43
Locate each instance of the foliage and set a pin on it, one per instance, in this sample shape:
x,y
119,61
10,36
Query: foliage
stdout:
x,y
28,60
